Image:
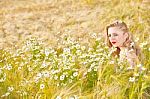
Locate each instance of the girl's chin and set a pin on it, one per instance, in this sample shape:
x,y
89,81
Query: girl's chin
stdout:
x,y
115,46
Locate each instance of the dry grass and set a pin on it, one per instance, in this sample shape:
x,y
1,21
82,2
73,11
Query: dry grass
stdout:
x,y
48,20
72,32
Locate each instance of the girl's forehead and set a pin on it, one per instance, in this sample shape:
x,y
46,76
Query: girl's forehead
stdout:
x,y
114,30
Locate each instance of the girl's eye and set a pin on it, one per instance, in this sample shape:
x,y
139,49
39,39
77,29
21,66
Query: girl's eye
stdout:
x,y
109,35
115,34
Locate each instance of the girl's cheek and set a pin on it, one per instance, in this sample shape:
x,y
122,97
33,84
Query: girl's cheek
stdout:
x,y
117,38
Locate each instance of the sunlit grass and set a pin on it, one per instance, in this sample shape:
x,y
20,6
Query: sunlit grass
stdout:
x,y
70,62
72,71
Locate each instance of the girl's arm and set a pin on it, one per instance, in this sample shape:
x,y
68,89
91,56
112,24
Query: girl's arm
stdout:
x,y
132,58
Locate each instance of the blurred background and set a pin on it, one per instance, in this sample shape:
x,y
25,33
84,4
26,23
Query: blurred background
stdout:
x,y
50,19
62,68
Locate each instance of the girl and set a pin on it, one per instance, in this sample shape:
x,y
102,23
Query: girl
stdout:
x,y
118,36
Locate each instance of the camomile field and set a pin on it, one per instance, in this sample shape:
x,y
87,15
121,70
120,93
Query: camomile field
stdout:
x,y
56,49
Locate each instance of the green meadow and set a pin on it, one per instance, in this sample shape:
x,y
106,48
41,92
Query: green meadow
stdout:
x,y
55,49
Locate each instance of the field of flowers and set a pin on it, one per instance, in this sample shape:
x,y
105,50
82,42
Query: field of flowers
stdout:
x,y
51,49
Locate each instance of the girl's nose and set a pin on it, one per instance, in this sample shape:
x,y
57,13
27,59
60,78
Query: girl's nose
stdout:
x,y
112,37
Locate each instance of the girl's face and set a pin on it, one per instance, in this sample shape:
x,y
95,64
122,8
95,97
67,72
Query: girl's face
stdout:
x,y
116,36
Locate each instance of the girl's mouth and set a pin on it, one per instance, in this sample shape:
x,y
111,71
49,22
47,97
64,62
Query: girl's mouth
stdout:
x,y
113,42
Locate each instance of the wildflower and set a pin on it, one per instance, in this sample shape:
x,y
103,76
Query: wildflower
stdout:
x,y
28,43
145,76
89,70
58,84
10,89
101,49
98,38
64,58
3,77
95,69
30,69
136,74
84,74
19,68
132,79
39,75
143,68
92,56
66,50
66,67
47,52
62,77
58,97
9,67
131,44
130,68
71,77
93,35
111,62
55,77
53,71
114,49
139,65
137,39
70,80
90,49
42,86
73,97
75,74
85,63
36,80
46,74
78,52
1,71
6,94
93,64
82,48
131,50
77,46
143,44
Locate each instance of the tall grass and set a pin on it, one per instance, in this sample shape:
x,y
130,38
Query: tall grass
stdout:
x,y
35,71
79,66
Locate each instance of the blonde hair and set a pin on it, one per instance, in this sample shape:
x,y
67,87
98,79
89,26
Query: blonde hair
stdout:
x,y
129,43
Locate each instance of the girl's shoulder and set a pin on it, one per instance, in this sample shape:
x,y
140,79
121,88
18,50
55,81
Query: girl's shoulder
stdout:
x,y
131,54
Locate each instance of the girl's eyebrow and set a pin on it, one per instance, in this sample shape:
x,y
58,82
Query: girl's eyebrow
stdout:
x,y
112,33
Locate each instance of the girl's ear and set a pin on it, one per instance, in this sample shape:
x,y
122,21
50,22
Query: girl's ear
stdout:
x,y
126,34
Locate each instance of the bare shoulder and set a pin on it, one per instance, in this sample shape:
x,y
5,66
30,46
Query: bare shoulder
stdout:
x,y
132,58
131,55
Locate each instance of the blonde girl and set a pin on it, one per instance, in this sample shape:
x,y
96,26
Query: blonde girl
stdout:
x,y
118,36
